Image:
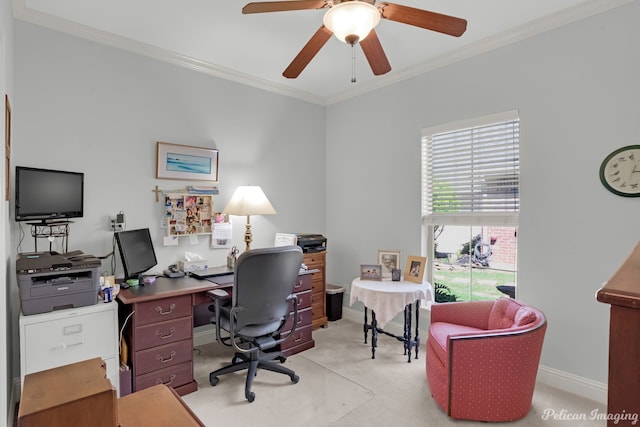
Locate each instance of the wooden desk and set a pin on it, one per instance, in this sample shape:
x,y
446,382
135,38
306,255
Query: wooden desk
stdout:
x,y
159,327
622,292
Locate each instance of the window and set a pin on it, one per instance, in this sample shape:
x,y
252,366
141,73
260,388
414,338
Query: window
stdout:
x,y
470,205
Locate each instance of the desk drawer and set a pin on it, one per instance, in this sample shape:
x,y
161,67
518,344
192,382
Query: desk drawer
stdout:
x,y
59,342
301,335
163,356
314,259
163,309
304,300
303,283
304,319
163,333
174,376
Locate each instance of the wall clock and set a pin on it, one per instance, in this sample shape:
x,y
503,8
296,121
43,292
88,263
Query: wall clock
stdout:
x,y
620,171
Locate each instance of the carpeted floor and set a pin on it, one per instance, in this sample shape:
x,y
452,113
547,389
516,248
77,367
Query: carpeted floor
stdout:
x,y
340,385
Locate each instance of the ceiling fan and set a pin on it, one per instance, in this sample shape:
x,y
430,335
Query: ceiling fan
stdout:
x,y
353,22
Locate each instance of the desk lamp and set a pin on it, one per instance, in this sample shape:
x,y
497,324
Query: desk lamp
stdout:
x,y
249,200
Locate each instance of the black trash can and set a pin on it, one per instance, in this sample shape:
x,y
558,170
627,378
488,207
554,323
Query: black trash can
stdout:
x,y
335,294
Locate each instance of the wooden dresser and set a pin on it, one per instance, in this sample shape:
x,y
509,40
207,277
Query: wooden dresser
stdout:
x,y
622,292
317,261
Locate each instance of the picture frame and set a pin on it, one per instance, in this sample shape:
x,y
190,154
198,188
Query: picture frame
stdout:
x,y
370,272
388,260
414,269
175,161
7,147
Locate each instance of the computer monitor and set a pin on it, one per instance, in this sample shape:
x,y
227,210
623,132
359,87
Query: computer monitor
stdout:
x,y
136,252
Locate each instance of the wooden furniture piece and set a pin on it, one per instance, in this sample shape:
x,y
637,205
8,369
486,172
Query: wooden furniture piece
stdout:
x,y
316,261
57,338
622,292
159,331
301,339
157,406
386,299
74,395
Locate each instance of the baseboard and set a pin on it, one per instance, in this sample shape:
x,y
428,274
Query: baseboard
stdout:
x,y
580,386
583,387
203,335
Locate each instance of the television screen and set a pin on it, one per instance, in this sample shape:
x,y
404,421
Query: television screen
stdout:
x,y
45,194
136,252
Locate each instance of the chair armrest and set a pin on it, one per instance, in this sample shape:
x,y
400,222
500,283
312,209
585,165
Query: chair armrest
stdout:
x,y
466,313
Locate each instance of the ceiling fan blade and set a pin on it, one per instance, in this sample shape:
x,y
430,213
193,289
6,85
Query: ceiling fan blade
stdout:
x,y
307,53
424,19
375,54
281,6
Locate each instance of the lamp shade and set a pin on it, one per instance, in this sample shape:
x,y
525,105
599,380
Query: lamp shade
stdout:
x,y
351,18
249,200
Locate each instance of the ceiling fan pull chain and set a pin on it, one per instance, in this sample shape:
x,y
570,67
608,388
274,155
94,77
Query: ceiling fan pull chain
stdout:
x,y
353,63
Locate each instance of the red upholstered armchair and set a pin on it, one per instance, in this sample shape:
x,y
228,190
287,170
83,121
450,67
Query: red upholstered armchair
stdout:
x,y
482,358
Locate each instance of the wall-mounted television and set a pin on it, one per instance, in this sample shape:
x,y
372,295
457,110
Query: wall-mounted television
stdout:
x,y
48,195
136,252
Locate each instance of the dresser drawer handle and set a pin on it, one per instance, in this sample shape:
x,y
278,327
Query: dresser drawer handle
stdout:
x,y
298,338
159,357
63,346
171,378
162,313
169,335
298,284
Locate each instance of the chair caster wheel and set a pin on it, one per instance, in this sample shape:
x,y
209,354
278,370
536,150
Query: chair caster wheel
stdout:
x,y
213,380
251,396
295,379
282,359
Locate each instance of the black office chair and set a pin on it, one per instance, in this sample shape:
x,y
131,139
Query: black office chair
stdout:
x,y
253,322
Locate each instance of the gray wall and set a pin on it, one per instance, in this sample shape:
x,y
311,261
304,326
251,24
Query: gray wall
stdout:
x,y
577,92
86,107
352,170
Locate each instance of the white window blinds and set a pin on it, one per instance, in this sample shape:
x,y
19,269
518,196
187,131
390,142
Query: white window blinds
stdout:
x,y
471,172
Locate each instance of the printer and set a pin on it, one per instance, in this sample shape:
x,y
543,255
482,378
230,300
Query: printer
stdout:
x,y
311,242
51,281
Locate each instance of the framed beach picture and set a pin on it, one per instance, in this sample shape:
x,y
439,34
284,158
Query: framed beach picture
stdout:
x,y
414,269
186,162
370,272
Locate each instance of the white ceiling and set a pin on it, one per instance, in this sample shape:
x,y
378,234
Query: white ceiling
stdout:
x,y
213,36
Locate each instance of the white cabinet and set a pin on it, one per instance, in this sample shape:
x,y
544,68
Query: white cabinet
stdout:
x,y
49,340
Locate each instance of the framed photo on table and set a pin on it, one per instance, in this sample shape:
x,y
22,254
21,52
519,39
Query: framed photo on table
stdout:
x,y
388,260
414,269
370,272
186,162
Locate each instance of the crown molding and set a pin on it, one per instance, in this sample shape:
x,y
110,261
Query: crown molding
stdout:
x,y
565,17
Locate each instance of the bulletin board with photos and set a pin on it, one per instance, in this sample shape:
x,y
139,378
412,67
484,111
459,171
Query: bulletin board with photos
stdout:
x,y
186,214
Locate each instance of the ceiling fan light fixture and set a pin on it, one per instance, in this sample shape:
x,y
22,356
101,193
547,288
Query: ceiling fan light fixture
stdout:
x,y
351,20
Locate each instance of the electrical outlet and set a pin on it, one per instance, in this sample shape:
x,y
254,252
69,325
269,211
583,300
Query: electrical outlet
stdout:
x,y
116,226
117,223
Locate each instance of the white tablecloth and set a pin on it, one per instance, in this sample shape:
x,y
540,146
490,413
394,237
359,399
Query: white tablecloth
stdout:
x,y
388,298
